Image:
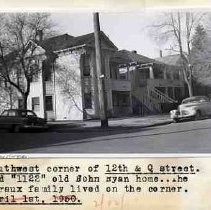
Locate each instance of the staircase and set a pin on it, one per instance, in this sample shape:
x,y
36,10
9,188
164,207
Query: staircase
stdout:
x,y
151,100
159,96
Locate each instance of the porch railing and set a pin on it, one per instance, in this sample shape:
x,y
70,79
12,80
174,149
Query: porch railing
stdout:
x,y
160,96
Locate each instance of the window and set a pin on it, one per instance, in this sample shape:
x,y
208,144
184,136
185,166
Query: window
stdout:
x,y
47,71
35,77
168,75
114,70
158,73
34,69
49,103
36,104
176,75
86,66
87,100
123,73
121,98
143,73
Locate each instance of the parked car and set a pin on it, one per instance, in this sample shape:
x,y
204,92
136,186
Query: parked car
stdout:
x,y
15,119
196,107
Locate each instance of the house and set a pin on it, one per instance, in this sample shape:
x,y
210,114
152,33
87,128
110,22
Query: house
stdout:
x,y
66,85
174,73
157,85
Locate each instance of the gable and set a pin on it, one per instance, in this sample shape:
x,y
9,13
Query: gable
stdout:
x,y
37,50
106,43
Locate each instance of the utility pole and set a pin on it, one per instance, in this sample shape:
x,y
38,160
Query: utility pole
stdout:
x,y
100,75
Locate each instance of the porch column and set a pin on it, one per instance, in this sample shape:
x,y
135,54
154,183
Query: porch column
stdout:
x,y
151,73
128,72
108,85
173,90
43,90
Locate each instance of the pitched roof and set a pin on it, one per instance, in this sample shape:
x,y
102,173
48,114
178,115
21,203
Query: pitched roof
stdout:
x,y
55,43
132,56
172,60
66,41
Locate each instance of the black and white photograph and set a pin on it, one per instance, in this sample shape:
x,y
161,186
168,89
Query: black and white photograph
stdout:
x,y
105,82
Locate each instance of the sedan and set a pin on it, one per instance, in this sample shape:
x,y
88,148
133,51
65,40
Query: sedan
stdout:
x,y
196,107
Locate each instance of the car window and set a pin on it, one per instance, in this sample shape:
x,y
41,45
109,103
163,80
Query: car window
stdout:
x,y
4,113
195,99
30,113
23,113
11,113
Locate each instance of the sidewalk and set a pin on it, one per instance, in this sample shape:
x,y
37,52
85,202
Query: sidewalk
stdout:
x,y
114,123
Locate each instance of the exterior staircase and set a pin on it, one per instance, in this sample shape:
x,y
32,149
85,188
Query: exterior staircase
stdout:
x,y
151,100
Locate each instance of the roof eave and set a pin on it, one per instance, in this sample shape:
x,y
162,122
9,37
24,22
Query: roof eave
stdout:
x,y
69,49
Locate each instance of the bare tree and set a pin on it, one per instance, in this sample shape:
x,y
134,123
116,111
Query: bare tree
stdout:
x,y
17,56
177,29
69,81
7,97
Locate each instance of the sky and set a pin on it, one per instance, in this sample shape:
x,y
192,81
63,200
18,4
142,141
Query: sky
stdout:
x,y
127,30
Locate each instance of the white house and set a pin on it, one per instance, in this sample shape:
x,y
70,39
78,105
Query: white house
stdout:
x,y
65,87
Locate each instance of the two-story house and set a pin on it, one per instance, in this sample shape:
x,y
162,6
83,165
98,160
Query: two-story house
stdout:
x,y
65,87
156,85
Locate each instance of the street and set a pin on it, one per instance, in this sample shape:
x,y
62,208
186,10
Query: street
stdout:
x,y
183,137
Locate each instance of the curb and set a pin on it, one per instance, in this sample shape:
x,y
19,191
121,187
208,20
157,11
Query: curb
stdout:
x,y
111,128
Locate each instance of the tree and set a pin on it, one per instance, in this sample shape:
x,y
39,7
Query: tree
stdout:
x,y
201,53
69,81
177,28
17,56
199,38
7,96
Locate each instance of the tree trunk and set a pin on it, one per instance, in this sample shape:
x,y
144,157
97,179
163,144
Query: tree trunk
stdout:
x,y
10,96
190,89
25,97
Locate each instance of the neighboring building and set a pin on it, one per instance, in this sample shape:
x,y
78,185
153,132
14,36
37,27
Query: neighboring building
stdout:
x,y
156,85
174,74
66,86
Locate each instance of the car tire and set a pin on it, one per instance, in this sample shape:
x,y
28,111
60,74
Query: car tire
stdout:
x,y
198,115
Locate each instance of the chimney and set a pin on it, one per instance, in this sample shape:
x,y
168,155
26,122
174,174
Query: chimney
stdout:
x,y
134,51
39,35
161,54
